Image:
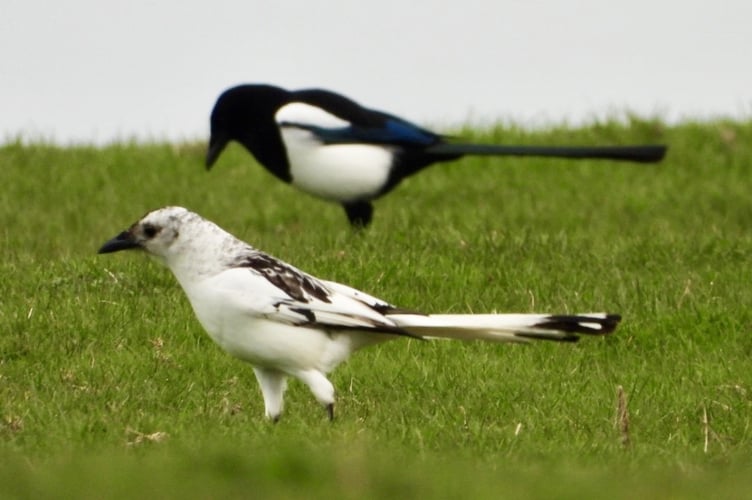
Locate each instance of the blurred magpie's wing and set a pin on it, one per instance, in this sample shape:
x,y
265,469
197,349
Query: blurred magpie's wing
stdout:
x,y
335,119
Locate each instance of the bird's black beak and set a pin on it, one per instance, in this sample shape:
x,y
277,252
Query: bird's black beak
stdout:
x,y
123,241
217,144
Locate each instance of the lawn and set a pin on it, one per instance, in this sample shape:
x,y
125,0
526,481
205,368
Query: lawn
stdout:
x,y
109,386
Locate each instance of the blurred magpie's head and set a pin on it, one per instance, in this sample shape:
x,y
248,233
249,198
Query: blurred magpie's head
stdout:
x,y
244,113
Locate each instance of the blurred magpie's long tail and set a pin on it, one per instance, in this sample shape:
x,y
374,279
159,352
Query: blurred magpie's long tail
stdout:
x,y
647,153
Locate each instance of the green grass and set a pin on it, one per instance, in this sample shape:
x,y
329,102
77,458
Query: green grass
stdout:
x,y
108,384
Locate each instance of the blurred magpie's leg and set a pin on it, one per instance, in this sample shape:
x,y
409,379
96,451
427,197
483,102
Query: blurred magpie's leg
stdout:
x,y
359,213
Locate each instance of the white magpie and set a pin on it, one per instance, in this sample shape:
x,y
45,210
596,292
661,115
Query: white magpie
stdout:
x,y
288,323
331,147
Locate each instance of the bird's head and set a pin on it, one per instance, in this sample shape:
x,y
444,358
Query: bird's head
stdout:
x,y
156,232
245,114
191,246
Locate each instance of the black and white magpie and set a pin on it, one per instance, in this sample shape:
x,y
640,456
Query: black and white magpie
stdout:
x,y
332,147
285,322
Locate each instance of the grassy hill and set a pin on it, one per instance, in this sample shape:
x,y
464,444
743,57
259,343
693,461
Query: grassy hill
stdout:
x,y
108,383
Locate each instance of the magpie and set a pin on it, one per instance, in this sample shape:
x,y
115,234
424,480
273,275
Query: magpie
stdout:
x,y
327,145
287,323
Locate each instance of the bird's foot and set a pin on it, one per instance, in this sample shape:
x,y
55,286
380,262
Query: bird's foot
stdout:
x,y
330,411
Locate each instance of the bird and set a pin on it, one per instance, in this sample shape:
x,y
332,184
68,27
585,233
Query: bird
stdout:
x,y
331,147
287,323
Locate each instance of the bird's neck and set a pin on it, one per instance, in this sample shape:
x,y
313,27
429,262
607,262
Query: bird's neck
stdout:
x,y
192,262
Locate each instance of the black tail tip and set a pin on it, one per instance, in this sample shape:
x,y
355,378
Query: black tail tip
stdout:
x,y
610,322
590,324
655,152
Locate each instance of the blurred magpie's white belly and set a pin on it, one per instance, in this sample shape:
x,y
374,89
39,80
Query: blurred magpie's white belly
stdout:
x,y
338,172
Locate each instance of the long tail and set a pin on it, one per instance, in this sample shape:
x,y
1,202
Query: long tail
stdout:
x,y
508,327
648,153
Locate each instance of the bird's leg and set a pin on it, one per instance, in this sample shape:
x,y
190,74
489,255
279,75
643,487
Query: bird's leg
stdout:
x,y
322,389
359,213
330,411
273,385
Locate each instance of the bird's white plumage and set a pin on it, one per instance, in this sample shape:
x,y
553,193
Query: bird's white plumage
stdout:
x,y
288,323
255,321
338,172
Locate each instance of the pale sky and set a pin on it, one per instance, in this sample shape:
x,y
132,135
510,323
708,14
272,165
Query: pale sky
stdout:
x,y
97,71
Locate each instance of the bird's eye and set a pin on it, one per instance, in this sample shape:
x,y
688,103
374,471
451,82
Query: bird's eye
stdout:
x,y
150,231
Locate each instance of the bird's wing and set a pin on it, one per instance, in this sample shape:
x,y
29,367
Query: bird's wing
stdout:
x,y
263,286
375,303
335,119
